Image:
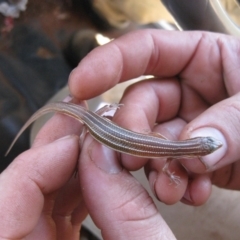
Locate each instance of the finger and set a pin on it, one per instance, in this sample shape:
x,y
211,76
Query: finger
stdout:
x,y
139,115
194,189
159,182
69,210
165,190
139,53
198,190
227,176
117,203
221,121
163,102
33,174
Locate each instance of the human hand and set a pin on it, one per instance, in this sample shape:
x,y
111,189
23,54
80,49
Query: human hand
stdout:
x,y
195,93
41,199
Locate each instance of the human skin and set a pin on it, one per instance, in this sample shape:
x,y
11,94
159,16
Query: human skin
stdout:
x,y
195,93
41,197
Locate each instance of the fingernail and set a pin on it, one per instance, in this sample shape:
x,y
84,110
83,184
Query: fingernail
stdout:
x,y
187,197
65,137
71,99
104,158
213,158
68,98
152,178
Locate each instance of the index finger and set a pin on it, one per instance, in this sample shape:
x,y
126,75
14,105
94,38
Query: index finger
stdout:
x,y
144,52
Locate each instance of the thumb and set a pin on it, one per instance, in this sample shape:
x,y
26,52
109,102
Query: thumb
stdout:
x,y
116,201
220,121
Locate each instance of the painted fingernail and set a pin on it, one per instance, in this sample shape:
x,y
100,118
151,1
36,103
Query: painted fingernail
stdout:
x,y
213,158
104,158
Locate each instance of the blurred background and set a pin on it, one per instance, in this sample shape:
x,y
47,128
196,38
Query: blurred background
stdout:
x,y
42,41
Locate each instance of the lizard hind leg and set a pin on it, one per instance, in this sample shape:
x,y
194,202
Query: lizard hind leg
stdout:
x,y
159,135
107,108
173,178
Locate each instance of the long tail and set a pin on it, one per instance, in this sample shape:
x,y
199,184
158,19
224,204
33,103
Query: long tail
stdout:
x,y
39,113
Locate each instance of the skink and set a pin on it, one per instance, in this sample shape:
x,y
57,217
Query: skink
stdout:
x,y
126,141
